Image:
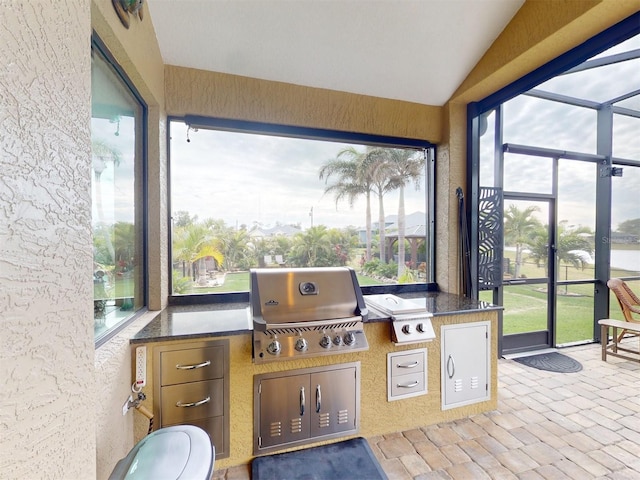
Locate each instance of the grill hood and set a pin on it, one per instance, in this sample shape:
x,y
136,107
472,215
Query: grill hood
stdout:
x,y
281,296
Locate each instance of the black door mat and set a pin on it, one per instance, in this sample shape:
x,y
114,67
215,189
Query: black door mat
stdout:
x,y
552,362
348,460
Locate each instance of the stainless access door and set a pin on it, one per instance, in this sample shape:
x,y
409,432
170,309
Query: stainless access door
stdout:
x,y
284,410
334,402
465,364
305,405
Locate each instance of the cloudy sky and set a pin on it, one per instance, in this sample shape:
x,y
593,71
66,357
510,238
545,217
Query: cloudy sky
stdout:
x,y
116,182
542,123
259,179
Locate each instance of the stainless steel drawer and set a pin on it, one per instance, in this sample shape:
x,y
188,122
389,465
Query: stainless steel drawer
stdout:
x,y
407,384
191,365
192,401
405,364
406,374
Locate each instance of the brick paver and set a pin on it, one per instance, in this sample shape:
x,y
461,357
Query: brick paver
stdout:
x,y
455,454
597,466
415,436
415,464
396,447
468,470
517,461
432,455
468,429
443,436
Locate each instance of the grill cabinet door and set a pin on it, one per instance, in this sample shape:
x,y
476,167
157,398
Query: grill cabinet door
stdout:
x,y
465,364
284,409
333,401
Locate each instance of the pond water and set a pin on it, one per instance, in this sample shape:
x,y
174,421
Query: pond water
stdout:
x,y
626,259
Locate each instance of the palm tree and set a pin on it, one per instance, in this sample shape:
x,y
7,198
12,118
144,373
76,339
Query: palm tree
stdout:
x,y
381,173
193,243
404,166
312,248
569,247
353,181
571,244
519,229
234,247
124,235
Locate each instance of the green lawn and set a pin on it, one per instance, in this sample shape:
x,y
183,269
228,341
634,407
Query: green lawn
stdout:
x,y
526,307
239,282
121,287
526,311
233,282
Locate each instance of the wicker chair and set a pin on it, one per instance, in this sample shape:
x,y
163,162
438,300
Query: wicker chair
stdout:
x,y
629,302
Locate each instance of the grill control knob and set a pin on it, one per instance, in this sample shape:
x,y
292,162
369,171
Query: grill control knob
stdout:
x,y
349,338
301,344
274,347
420,328
325,341
337,339
406,329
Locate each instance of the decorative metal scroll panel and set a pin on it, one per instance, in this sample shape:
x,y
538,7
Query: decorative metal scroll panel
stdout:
x,y
490,230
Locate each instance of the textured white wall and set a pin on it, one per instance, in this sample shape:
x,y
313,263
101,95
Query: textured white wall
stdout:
x,y
46,330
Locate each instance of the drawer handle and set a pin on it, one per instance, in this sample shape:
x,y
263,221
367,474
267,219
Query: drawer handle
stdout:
x,y
408,365
193,404
193,367
409,385
451,363
318,399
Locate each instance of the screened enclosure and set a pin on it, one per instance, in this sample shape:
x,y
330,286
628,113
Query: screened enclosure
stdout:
x,y
555,174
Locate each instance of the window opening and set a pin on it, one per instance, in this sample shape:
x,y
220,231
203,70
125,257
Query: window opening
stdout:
x,y
247,195
117,152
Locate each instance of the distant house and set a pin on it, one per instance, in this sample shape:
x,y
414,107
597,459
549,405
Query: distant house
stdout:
x,y
277,231
415,233
618,237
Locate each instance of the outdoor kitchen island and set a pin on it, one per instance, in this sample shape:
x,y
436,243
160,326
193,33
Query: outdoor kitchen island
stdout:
x,y
456,352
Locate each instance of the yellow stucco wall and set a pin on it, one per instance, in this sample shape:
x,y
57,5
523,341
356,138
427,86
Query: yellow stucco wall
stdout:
x,y
198,92
377,417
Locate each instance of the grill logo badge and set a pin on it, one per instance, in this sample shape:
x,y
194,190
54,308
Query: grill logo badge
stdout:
x,y
271,303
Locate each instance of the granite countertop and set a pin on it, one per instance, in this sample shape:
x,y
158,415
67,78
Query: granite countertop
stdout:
x,y
438,303
197,321
225,319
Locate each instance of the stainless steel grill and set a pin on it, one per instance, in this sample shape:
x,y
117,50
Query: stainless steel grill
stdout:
x,y
305,312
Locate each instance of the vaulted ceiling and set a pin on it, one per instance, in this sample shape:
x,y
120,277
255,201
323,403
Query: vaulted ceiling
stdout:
x,y
412,50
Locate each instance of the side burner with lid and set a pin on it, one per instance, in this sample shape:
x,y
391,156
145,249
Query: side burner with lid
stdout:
x,y
306,312
411,322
